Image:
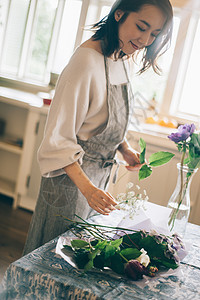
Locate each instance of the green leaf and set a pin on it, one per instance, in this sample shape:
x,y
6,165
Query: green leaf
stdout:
x,y
89,265
164,262
152,247
101,244
93,254
117,264
160,158
195,140
81,258
132,240
116,243
99,261
169,264
142,145
109,251
194,146
142,150
130,253
79,244
191,152
144,172
186,161
195,163
180,147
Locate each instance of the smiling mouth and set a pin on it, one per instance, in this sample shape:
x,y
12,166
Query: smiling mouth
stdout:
x,y
134,46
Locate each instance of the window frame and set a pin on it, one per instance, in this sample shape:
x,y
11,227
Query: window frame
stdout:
x,y
180,62
18,81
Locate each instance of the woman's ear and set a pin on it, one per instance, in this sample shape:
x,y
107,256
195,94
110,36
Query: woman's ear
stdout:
x,y
118,14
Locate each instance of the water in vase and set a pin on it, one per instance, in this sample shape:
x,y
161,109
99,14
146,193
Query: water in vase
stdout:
x,y
181,218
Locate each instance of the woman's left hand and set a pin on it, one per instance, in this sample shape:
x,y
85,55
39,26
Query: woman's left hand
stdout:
x,y
131,156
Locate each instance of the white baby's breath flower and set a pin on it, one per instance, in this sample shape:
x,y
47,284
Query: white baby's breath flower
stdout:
x,y
153,232
131,194
131,201
129,185
117,206
121,197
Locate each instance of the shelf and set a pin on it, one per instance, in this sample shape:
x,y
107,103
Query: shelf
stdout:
x,y
7,187
20,98
6,145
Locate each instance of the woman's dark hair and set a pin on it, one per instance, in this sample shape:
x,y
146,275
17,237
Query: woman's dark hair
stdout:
x,y
107,31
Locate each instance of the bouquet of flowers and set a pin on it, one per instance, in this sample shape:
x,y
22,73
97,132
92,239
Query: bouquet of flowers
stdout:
x,y
133,254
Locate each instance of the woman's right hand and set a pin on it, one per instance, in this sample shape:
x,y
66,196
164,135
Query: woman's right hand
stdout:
x,y
101,201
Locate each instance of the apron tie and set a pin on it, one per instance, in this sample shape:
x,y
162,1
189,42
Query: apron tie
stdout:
x,y
113,161
108,162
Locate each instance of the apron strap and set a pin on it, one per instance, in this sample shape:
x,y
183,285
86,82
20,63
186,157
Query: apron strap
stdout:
x,y
107,73
107,70
125,69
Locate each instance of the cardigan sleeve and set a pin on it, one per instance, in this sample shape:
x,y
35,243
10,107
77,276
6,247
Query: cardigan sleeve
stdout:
x,y
68,111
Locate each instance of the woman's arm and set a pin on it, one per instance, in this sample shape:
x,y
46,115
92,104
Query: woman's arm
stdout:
x,y
131,156
101,201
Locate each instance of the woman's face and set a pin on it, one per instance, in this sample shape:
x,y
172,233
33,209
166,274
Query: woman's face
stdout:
x,y
140,29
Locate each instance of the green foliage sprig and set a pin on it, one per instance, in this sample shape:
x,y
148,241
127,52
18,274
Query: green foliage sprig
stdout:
x,y
155,160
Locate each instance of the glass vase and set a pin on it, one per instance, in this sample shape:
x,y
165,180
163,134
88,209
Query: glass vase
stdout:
x,y
179,201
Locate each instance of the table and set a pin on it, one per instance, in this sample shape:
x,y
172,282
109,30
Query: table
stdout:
x,y
42,274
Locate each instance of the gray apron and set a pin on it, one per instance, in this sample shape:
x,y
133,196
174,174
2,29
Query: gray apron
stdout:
x,y
59,195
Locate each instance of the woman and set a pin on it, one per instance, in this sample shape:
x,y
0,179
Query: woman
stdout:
x,y
90,114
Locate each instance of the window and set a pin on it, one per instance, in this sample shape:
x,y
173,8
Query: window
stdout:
x,y
38,37
149,84
181,94
26,38
187,88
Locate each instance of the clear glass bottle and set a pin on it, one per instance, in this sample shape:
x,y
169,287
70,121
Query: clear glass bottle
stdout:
x,y
179,201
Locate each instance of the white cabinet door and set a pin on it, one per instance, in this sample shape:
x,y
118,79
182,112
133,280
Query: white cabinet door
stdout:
x,y
29,199
27,157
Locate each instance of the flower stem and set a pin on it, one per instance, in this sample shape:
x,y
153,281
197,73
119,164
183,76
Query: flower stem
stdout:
x,y
180,195
182,191
85,224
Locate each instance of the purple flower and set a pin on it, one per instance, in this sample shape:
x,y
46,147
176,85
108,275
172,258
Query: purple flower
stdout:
x,y
184,132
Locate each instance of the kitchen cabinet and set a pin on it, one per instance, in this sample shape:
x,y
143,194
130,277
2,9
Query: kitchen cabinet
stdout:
x,y
21,113
28,200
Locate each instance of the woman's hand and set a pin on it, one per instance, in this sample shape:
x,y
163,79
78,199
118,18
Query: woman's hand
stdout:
x,y
131,156
97,199
102,202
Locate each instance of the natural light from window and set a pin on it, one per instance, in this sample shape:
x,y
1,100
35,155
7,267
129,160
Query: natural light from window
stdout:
x,y
190,96
150,84
67,34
